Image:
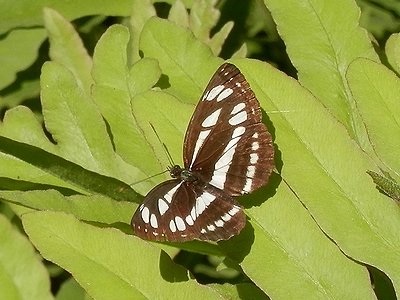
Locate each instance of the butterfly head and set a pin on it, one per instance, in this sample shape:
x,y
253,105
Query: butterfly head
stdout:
x,y
184,174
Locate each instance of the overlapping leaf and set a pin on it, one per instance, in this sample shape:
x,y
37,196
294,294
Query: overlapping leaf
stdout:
x,y
22,274
108,263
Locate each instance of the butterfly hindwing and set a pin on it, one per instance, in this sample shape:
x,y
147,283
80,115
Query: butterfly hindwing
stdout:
x,y
178,211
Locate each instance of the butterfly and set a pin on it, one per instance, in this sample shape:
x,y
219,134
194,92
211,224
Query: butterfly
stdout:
x,y
227,152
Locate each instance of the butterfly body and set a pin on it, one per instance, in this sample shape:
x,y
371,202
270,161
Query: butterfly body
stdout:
x,y
227,152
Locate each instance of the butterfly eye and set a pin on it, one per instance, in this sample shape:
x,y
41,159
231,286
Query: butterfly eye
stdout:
x,y
229,152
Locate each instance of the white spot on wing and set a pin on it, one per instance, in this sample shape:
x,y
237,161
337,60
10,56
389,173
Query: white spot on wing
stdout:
x,y
253,158
237,108
219,223
255,146
205,95
162,206
222,165
168,196
172,226
189,220
211,227
247,186
193,213
229,150
251,170
202,202
200,206
224,94
202,136
226,217
214,92
207,198
179,223
219,177
238,131
153,221
212,119
231,145
145,215
238,118
234,211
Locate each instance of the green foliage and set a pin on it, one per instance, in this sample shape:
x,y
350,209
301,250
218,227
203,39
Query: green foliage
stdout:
x,y
314,232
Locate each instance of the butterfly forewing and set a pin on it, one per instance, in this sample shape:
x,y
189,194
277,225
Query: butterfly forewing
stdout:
x,y
226,140
227,152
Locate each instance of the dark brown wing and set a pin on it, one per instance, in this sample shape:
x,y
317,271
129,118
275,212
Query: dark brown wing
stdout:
x,y
179,211
226,143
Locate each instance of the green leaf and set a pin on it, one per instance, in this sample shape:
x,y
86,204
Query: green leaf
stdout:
x,y
26,13
86,142
240,291
109,264
27,90
325,168
155,108
22,273
217,41
187,63
33,162
142,10
67,48
22,162
291,258
94,208
379,18
70,289
179,14
392,49
18,50
116,85
241,53
376,91
20,124
321,48
203,17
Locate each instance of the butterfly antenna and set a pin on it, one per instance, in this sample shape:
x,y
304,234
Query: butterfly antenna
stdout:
x,y
136,182
168,155
147,178
171,161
